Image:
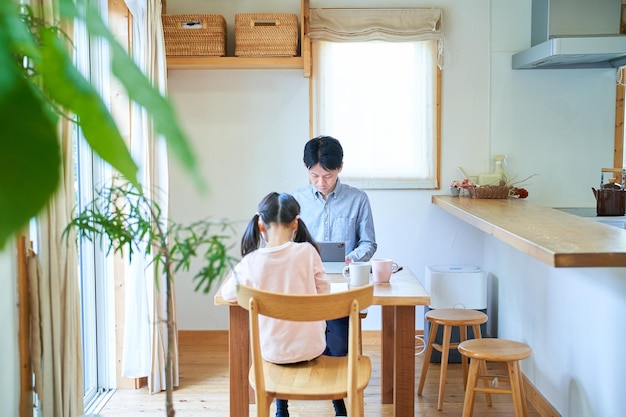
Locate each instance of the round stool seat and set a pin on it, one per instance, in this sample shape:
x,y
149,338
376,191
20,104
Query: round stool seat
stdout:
x,y
495,350
456,317
481,351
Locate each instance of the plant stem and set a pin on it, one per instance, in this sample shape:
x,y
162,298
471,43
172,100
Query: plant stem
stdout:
x,y
169,404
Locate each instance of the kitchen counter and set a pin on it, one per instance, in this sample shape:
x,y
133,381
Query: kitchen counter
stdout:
x,y
552,236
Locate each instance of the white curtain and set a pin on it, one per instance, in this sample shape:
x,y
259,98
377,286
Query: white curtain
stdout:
x,y
374,86
363,25
56,351
145,326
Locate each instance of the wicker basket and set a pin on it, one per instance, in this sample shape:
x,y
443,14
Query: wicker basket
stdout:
x,y
194,34
490,191
266,34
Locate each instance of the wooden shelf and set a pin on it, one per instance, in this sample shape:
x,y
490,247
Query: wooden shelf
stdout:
x,y
554,237
198,63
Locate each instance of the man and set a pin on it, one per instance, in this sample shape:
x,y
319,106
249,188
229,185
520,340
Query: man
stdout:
x,y
335,212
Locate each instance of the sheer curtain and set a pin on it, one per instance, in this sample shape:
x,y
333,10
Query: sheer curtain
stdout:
x,y
53,279
145,327
374,86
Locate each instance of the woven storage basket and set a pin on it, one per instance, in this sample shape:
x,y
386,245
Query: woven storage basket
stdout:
x,y
490,191
194,34
266,34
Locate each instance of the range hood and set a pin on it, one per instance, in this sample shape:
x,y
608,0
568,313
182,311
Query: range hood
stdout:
x,y
574,34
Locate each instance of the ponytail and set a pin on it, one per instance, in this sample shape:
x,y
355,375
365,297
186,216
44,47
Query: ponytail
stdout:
x,y
251,239
303,235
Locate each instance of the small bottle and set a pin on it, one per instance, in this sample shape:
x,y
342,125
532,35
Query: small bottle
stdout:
x,y
499,169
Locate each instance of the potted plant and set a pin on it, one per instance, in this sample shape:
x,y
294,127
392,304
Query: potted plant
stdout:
x,y
457,186
127,222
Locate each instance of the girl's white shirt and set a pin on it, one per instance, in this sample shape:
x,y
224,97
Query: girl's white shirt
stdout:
x,y
292,268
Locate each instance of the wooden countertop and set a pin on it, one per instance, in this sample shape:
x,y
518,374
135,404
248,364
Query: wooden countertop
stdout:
x,y
554,237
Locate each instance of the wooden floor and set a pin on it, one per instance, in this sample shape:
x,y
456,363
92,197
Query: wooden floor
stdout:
x,y
203,389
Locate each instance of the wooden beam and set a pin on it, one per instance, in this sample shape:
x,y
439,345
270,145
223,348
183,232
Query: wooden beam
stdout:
x,y
23,302
618,151
119,24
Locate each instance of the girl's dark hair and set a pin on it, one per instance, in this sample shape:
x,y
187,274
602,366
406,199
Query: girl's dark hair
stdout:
x,y
278,208
326,151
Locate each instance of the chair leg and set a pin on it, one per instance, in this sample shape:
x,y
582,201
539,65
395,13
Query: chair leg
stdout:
x,y
445,352
472,378
355,405
263,407
429,350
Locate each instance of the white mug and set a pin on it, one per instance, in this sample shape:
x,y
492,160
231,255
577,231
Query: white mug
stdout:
x,y
357,273
382,269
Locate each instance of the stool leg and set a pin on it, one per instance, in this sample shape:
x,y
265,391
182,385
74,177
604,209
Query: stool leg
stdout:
x,y
476,331
463,338
516,388
472,378
521,390
429,351
477,335
483,371
445,352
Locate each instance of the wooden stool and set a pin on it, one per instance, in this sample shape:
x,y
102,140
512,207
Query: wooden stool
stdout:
x,y
481,351
449,317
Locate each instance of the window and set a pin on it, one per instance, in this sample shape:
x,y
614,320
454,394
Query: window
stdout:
x,y
380,100
375,87
94,268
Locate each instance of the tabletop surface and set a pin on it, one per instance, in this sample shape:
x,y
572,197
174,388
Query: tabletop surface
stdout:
x,y
404,289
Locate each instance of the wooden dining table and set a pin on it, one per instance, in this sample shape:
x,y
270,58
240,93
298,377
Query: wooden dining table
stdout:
x,y
397,299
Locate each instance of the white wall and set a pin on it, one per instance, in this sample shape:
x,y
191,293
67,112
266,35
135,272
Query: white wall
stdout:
x,y
249,127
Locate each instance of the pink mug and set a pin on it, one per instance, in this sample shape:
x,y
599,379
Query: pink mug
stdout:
x,y
382,269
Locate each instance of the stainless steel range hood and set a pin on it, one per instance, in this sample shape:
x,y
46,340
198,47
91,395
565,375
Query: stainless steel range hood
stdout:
x,y
574,34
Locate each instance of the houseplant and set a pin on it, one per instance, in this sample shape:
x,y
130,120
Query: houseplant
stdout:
x,y
38,85
127,222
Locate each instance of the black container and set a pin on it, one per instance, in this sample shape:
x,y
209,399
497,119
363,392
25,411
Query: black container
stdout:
x,y
610,201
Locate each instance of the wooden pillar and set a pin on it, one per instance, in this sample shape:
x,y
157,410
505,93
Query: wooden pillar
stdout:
x,y
23,302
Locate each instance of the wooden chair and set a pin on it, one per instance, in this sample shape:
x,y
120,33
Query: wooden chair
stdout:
x,y
481,351
448,318
325,377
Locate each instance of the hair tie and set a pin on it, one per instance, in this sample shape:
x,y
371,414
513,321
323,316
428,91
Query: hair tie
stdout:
x,y
297,216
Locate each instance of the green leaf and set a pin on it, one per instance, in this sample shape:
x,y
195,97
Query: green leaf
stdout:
x,y
12,22
67,87
30,161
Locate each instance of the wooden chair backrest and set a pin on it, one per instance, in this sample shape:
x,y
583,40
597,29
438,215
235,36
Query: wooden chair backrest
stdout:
x,y
309,307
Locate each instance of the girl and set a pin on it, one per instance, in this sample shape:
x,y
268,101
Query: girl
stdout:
x,y
288,262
